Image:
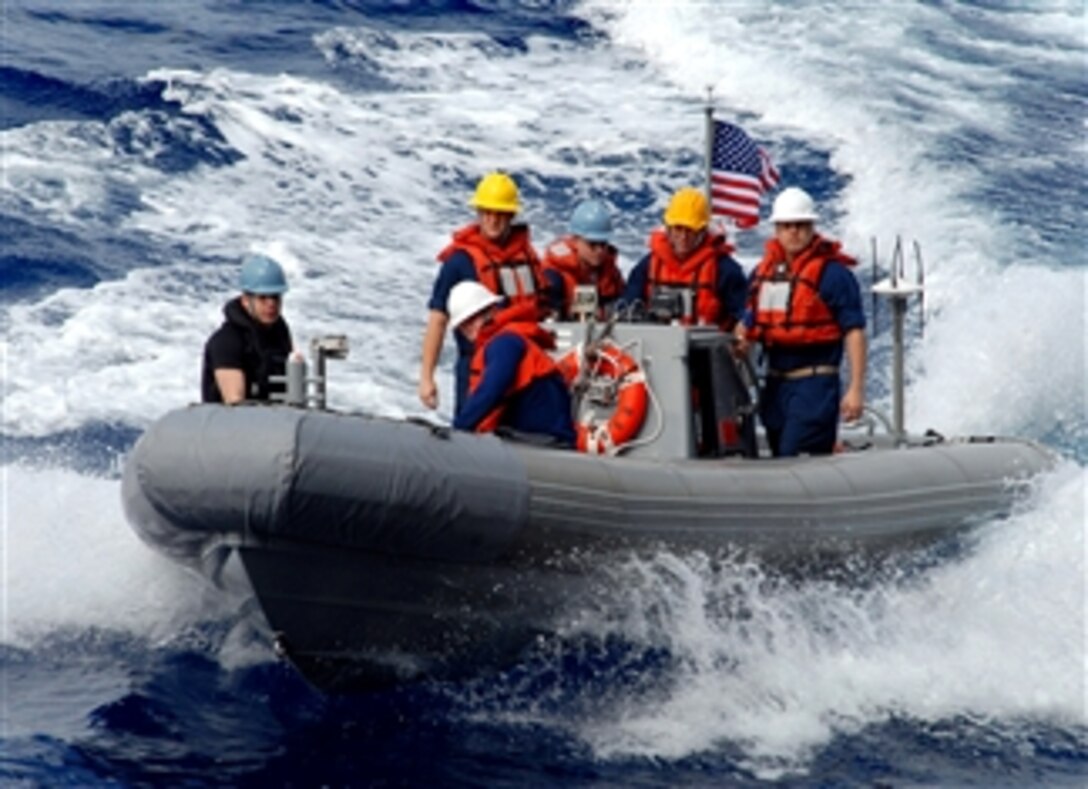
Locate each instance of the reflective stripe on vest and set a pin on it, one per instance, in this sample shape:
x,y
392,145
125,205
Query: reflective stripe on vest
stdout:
x,y
785,297
511,270
562,258
515,279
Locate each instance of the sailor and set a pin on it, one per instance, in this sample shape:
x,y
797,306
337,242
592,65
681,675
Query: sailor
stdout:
x,y
584,258
254,341
804,306
513,382
693,264
494,251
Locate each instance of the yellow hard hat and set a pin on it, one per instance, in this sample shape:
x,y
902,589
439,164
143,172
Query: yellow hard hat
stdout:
x,y
688,208
496,192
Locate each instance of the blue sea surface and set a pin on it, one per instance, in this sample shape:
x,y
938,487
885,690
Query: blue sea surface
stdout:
x,y
147,146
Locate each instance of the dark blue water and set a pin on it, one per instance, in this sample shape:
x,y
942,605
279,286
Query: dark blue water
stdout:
x,y
147,144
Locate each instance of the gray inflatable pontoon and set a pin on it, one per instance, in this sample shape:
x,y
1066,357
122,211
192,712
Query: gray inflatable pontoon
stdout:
x,y
381,549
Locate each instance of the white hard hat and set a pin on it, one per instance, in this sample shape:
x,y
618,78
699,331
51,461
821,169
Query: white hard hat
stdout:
x,y
469,298
793,205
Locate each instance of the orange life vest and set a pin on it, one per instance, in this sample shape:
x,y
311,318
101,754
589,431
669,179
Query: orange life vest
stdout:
x,y
519,319
784,298
697,275
561,256
511,270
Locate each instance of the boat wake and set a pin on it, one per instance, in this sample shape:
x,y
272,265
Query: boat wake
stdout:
x,y
696,653
683,655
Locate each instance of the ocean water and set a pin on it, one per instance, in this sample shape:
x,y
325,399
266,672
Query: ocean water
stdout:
x,y
147,146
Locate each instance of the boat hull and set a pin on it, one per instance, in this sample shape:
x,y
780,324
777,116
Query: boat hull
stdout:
x,y
381,550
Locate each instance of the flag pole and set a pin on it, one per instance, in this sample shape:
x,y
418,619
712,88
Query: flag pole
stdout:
x,y
709,147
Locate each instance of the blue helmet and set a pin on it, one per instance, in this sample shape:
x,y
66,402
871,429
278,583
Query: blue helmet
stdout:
x,y
262,275
592,221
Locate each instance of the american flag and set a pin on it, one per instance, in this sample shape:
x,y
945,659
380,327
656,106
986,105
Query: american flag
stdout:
x,y
740,172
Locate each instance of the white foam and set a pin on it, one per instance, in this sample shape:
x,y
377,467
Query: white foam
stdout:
x,y
1008,359
881,102
72,563
357,192
779,669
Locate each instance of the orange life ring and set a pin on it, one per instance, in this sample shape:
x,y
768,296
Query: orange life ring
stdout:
x,y
599,436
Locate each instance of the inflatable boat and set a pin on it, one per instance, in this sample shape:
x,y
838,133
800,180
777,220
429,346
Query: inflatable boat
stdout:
x,y
381,549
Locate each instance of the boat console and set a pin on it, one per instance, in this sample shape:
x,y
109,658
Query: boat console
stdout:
x,y
700,402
